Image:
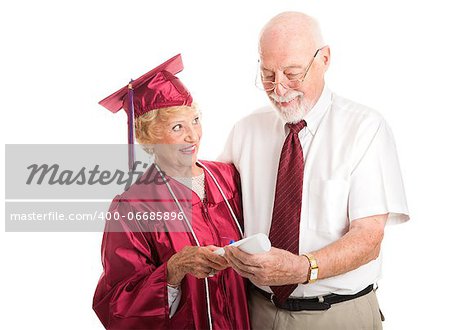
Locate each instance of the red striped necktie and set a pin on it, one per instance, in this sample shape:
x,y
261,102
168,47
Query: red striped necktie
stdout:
x,y
285,228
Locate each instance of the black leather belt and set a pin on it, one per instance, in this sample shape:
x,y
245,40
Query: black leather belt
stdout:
x,y
312,304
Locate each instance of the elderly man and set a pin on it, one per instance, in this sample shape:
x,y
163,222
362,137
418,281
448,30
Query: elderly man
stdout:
x,y
320,176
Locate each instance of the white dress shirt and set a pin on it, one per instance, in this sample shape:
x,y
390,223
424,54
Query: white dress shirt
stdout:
x,y
351,172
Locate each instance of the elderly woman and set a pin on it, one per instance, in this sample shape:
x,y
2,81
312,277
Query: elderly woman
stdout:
x,y
163,273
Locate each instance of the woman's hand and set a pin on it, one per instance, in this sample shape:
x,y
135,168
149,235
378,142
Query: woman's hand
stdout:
x,y
194,260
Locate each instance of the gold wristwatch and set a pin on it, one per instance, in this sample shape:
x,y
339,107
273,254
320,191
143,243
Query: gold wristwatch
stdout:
x,y
313,272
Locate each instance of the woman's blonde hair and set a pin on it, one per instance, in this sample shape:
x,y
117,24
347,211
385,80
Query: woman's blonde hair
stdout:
x,y
148,128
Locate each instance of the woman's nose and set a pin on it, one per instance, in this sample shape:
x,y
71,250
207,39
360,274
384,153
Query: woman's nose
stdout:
x,y
192,135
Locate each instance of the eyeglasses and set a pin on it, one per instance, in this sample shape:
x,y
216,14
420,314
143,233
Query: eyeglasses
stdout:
x,y
269,85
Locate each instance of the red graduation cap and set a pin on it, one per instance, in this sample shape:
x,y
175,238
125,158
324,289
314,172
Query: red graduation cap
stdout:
x,y
158,88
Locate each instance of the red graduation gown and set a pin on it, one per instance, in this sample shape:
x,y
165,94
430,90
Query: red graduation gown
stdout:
x,y
132,291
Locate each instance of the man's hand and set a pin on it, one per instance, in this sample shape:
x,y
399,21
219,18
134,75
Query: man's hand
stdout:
x,y
276,267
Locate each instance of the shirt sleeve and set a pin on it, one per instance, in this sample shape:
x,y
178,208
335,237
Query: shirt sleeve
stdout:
x,y
376,185
174,297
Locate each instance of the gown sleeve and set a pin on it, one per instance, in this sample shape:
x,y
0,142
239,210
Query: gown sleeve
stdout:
x,y
132,291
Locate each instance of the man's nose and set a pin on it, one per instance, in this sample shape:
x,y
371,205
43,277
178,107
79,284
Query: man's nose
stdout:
x,y
280,87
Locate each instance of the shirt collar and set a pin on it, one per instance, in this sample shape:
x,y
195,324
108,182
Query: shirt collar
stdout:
x,y
315,115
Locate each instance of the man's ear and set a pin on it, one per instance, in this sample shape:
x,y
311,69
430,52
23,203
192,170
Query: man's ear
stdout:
x,y
325,55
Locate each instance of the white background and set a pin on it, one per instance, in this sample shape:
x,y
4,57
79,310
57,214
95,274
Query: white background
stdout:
x,y
59,58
